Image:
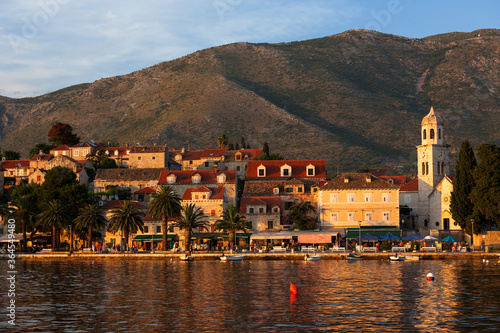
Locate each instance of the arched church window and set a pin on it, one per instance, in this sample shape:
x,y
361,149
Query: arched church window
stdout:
x,y
439,168
431,134
439,133
426,168
423,168
426,223
424,135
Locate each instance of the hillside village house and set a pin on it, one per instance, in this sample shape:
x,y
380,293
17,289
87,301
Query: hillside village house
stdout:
x,y
135,179
360,200
119,154
220,159
211,191
78,151
17,169
148,157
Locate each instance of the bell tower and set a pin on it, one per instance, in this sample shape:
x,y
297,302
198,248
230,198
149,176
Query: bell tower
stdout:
x,y
433,155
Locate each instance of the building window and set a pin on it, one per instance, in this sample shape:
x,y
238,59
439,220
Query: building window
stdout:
x,y
351,216
207,164
153,157
64,153
426,168
38,178
250,210
300,189
334,217
158,229
310,170
333,197
368,197
146,229
407,198
431,134
76,152
261,171
286,171
238,157
439,133
350,197
288,204
212,212
386,216
116,152
204,196
385,197
270,224
196,197
190,162
368,216
424,135
288,189
138,158
276,210
261,210
238,168
276,190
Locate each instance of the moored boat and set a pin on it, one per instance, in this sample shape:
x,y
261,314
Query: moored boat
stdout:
x,y
186,258
396,258
413,258
231,258
354,256
312,258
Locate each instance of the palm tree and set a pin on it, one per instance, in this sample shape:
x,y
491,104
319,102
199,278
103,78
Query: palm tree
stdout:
x,y
165,205
92,218
23,209
222,140
231,222
127,218
191,218
55,215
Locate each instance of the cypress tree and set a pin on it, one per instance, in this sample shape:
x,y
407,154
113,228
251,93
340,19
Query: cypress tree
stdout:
x,y
486,193
265,149
461,205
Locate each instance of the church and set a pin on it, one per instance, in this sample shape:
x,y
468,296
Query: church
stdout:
x,y
429,195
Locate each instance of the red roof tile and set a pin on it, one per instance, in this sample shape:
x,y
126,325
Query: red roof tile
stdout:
x,y
43,157
396,180
411,186
357,181
62,147
299,169
217,192
378,172
12,164
212,153
146,190
207,176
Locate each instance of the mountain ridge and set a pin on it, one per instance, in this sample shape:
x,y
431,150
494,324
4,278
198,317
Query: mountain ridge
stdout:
x,y
350,98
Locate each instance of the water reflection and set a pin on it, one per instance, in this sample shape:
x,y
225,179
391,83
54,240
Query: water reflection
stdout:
x,y
144,295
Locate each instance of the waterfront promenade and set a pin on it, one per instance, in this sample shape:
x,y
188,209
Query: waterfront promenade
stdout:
x,y
492,256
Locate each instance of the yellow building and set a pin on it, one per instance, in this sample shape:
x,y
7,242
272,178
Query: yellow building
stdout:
x,y
352,200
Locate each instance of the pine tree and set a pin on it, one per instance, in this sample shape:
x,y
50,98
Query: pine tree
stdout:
x,y
461,205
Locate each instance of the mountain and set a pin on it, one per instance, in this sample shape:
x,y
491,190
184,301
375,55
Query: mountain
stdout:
x,y
354,98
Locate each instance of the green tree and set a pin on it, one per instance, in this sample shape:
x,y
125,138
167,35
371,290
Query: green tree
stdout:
x,y
265,149
271,157
126,218
11,155
45,148
96,156
222,140
242,143
231,221
190,218
55,215
165,204
60,183
300,215
486,193
23,211
461,205
108,163
91,218
62,134
230,146
236,146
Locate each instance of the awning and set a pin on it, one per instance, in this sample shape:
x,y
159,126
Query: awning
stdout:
x,y
355,233
274,235
206,235
156,237
314,238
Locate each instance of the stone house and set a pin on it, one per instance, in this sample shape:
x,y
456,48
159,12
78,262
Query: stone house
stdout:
x,y
135,179
141,157
263,212
18,169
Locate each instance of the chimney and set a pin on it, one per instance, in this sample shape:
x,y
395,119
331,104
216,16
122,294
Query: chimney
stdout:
x,y
126,145
183,150
368,179
346,179
40,152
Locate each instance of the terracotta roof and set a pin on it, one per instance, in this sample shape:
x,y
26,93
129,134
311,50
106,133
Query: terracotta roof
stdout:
x,y
43,157
396,180
411,186
12,164
270,202
230,155
146,190
357,181
207,176
192,155
217,192
119,203
129,174
299,169
294,181
378,172
62,147
212,153
148,149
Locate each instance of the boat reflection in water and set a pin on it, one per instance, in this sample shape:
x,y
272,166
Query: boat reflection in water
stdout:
x,y
156,295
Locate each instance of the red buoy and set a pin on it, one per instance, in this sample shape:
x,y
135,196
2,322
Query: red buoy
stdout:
x,y
293,288
430,277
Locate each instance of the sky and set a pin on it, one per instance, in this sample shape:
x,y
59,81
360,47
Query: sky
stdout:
x,y
46,45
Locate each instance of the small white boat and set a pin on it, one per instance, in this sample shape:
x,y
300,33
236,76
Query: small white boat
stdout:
x,y
396,258
312,258
232,258
354,257
413,258
186,258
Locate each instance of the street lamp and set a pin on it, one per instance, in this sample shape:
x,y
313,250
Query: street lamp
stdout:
x,y
472,234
